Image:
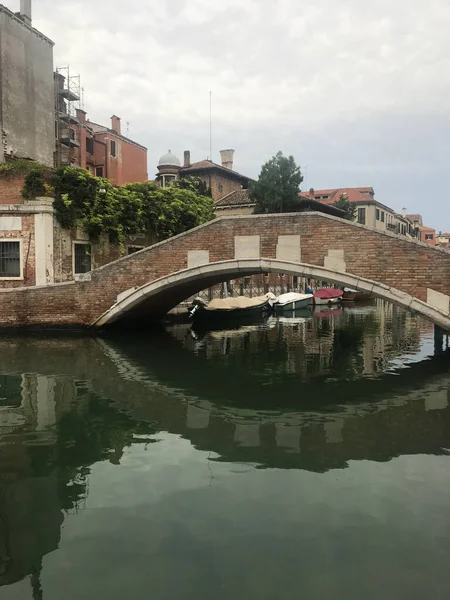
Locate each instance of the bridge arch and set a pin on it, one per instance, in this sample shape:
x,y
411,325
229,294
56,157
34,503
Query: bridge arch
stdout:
x,y
156,298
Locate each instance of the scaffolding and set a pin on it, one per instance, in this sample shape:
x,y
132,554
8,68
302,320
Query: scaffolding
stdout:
x,y
67,123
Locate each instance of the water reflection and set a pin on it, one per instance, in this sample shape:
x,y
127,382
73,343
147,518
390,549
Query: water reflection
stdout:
x,y
309,393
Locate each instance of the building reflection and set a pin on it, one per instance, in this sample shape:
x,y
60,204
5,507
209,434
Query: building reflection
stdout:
x,y
46,448
235,394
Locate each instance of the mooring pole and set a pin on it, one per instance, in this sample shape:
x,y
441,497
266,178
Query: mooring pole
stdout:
x,y
438,340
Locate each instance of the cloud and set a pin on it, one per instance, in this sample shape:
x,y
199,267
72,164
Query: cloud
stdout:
x,y
357,91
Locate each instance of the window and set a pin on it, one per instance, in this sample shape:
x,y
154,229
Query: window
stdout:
x,y
82,258
89,145
377,214
220,188
133,249
10,259
362,216
428,236
382,216
113,148
99,171
167,179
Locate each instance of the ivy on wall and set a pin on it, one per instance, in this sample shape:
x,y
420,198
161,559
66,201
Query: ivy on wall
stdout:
x,y
94,204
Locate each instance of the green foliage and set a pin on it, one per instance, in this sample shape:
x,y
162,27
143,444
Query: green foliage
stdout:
x,y
347,207
278,185
18,166
38,182
192,184
170,211
94,204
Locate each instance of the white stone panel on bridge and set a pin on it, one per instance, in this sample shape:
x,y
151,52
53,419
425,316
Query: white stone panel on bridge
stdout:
x,y
335,261
10,223
438,300
247,246
288,248
196,258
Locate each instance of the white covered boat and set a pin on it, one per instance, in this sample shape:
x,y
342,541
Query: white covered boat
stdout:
x,y
293,301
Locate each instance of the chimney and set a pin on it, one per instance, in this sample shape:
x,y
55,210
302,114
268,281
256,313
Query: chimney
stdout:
x,y
312,193
227,159
404,211
115,124
25,11
81,115
187,158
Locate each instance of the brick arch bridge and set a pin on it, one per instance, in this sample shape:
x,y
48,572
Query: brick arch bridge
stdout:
x,y
147,284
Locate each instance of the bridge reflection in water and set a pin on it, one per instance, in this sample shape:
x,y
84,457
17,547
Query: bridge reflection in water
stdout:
x,y
332,395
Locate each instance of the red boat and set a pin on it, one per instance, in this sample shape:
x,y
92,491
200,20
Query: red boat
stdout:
x,y
328,296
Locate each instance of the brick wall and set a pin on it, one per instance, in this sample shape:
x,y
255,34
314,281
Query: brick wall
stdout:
x,y
11,190
408,266
220,186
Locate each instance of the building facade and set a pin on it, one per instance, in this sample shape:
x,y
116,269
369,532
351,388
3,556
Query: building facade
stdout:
x,y
368,211
36,250
220,179
26,88
102,150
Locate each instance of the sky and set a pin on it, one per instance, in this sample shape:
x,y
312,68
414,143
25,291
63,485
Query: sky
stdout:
x,y
358,92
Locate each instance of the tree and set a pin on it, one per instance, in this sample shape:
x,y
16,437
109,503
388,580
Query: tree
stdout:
x,y
278,185
97,206
171,210
344,204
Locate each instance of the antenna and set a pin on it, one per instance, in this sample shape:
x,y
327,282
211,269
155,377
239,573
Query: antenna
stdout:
x,y
210,126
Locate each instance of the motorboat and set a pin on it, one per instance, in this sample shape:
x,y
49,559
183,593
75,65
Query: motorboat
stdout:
x,y
328,296
351,295
239,307
292,301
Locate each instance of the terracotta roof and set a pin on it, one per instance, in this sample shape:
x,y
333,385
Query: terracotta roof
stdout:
x,y
352,194
414,218
236,198
208,165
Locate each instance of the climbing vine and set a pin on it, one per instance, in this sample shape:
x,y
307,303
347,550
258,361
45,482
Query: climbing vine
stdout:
x,y
94,204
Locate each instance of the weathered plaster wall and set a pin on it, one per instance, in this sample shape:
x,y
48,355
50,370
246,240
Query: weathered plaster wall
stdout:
x,y
26,91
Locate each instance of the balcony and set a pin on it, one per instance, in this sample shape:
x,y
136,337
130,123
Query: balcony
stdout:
x,y
67,118
67,137
68,95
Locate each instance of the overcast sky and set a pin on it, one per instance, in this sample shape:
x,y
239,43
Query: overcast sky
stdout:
x,y
357,91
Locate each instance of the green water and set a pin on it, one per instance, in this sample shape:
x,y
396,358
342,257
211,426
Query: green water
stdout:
x,y
298,458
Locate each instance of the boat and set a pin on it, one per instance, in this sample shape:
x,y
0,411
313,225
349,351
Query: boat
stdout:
x,y
328,296
351,295
239,307
292,301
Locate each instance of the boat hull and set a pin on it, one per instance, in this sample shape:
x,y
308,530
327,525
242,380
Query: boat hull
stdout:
x,y
293,305
326,301
202,314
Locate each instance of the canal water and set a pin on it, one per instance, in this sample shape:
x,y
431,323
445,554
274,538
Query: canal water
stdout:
x,y
301,457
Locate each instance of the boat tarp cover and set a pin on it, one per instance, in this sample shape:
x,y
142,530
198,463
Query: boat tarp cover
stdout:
x,y
350,291
238,302
292,297
325,293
